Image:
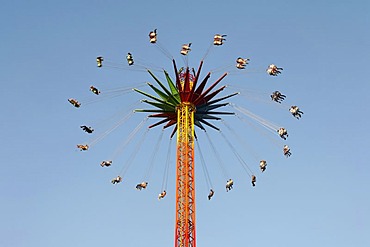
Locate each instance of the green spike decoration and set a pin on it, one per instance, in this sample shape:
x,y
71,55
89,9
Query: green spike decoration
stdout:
x,y
184,90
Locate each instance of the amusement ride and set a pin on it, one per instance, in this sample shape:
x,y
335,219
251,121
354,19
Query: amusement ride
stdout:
x,y
187,102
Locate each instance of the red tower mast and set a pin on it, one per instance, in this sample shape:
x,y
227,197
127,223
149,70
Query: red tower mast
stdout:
x,y
185,181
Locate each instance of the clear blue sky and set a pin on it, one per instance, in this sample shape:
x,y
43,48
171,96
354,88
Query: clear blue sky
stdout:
x,y
54,195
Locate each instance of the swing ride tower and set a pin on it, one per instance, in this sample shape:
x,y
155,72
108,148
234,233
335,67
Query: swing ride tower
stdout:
x,y
185,105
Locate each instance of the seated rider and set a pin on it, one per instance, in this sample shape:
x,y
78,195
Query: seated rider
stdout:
x,y
99,61
94,90
241,62
116,180
277,97
229,184
141,186
263,165
106,163
87,129
130,59
162,195
218,39
286,151
211,193
83,147
283,133
295,111
153,36
74,102
273,70
254,180
185,49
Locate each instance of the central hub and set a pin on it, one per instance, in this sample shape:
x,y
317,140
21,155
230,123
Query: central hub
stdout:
x,y
191,79
191,107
